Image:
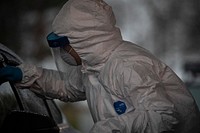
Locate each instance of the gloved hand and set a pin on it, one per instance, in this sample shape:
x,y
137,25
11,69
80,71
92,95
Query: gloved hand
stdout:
x,y
10,73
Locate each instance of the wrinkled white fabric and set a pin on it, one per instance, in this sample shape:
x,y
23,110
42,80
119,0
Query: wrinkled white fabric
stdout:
x,y
114,70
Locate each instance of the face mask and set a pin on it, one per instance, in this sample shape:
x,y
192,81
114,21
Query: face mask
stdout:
x,y
67,57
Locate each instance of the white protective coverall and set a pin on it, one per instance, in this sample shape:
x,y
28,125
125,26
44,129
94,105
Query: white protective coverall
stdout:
x,y
128,90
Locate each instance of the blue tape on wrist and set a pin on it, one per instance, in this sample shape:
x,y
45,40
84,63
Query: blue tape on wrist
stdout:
x,y
120,107
57,41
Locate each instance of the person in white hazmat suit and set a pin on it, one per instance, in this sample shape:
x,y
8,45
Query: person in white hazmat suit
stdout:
x,y
128,90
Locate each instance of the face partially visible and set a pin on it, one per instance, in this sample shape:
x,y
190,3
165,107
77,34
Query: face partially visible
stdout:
x,y
60,46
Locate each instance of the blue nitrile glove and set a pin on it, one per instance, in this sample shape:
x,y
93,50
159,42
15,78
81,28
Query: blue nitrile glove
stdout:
x,y
10,73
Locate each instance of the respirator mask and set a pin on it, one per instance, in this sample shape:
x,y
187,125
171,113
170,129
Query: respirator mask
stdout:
x,y
67,57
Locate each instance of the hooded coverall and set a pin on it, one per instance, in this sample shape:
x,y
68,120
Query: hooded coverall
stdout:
x,y
128,90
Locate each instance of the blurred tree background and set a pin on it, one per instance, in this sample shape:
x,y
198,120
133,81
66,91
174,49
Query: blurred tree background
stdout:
x,y
165,27
24,25
170,29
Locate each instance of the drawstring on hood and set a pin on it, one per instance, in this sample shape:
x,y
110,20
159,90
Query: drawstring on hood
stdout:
x,y
90,27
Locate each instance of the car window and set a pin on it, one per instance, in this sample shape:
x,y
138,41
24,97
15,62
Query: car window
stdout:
x,y
33,103
26,99
55,111
30,101
8,101
195,90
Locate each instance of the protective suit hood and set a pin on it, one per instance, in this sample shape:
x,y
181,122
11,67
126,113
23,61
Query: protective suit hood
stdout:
x,y
90,27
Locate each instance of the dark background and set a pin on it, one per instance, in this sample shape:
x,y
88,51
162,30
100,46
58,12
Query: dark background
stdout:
x,y
158,25
170,29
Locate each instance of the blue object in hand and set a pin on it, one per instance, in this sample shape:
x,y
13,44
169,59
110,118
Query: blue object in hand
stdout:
x,y
10,73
